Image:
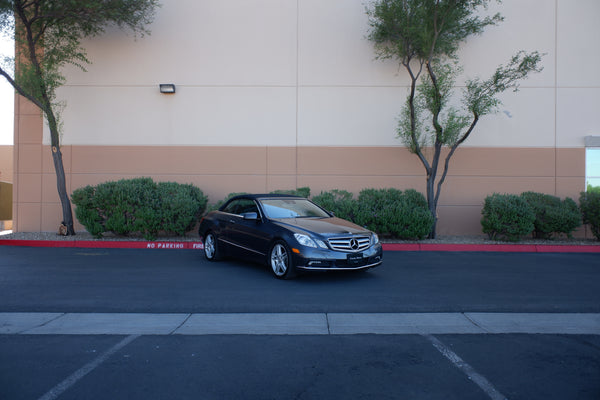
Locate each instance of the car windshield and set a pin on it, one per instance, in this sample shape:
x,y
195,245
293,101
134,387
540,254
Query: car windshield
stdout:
x,y
291,208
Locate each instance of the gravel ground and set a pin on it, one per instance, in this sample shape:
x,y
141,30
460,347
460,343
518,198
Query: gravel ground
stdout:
x,y
193,237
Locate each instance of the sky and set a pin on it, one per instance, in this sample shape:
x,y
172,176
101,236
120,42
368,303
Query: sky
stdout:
x,y
6,98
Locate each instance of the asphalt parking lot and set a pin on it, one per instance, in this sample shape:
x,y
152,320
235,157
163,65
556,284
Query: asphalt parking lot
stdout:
x,y
134,324
513,366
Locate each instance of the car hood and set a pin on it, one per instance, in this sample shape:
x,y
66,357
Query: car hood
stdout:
x,y
322,226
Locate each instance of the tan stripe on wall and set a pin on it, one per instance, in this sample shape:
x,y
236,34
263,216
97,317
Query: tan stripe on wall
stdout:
x,y
474,174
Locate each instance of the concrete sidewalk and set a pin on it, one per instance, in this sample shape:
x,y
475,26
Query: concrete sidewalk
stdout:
x,y
297,324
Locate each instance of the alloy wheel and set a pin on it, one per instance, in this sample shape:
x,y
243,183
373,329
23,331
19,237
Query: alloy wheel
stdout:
x,y
279,260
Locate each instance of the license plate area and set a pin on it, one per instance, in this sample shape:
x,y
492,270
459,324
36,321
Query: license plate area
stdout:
x,y
354,258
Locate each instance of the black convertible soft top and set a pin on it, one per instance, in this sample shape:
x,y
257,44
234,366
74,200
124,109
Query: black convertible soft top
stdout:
x,y
257,196
265,196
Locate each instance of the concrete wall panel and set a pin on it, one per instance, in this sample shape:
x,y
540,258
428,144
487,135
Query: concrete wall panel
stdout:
x,y
207,43
193,116
578,33
6,163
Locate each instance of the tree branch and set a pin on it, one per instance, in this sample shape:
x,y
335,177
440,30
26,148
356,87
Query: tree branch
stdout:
x,y
451,153
19,89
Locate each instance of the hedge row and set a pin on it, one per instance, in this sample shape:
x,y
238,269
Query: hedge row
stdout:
x,y
142,206
512,217
589,203
389,212
139,206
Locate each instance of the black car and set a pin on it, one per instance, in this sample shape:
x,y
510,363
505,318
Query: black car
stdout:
x,y
289,233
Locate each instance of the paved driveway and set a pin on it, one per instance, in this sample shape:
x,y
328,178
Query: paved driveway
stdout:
x,y
172,281
138,324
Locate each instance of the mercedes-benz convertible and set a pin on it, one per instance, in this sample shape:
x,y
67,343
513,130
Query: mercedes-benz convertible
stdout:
x,y
289,234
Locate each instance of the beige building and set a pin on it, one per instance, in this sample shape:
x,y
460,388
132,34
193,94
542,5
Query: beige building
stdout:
x,y
278,94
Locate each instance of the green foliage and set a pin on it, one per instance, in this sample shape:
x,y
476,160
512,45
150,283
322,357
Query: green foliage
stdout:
x,y
219,204
507,217
180,206
552,216
481,97
593,189
589,203
139,205
340,202
424,37
390,212
420,29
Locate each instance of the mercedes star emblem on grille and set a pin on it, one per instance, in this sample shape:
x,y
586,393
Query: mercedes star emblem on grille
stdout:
x,y
354,244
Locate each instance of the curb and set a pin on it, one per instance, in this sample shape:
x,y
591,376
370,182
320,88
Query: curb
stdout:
x,y
503,248
93,244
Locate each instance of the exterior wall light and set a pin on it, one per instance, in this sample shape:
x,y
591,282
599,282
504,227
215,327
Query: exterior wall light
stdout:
x,y
167,88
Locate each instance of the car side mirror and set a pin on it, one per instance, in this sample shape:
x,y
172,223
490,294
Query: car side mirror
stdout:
x,y
250,216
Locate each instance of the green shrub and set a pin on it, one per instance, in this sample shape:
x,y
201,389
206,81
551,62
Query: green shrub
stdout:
x,y
218,204
507,217
589,203
593,189
340,202
139,206
181,206
552,216
390,212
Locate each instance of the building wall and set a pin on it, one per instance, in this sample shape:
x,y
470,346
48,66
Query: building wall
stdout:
x,y
275,94
6,163
6,179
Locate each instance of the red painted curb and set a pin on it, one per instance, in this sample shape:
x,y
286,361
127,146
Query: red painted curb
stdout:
x,y
508,248
93,244
505,248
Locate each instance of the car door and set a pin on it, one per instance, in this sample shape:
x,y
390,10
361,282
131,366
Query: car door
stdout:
x,y
246,233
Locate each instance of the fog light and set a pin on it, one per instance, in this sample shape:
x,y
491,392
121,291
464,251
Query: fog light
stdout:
x,y
319,264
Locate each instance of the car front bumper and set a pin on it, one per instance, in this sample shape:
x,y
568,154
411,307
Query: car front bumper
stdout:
x,y
311,259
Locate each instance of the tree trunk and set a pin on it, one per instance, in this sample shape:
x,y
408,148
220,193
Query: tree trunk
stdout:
x,y
61,185
431,202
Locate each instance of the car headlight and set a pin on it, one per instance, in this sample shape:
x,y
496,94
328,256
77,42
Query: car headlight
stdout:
x,y
307,241
374,238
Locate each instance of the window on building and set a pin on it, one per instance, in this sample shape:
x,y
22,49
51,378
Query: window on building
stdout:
x,y
592,166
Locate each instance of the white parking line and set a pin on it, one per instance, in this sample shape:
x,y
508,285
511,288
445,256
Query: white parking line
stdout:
x,y
86,369
473,375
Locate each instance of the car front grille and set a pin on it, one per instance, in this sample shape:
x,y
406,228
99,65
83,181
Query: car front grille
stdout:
x,y
353,243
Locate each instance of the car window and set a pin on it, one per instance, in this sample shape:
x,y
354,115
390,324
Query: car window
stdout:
x,y
291,208
241,206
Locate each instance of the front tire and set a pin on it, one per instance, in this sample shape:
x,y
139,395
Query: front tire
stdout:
x,y
280,261
211,247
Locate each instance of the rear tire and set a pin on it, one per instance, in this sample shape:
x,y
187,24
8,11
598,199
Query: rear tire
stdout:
x,y
211,247
280,261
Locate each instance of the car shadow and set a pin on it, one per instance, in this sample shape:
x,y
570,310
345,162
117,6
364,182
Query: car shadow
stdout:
x,y
254,269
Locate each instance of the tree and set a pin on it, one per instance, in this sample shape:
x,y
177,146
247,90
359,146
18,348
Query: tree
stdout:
x,y
424,37
48,36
